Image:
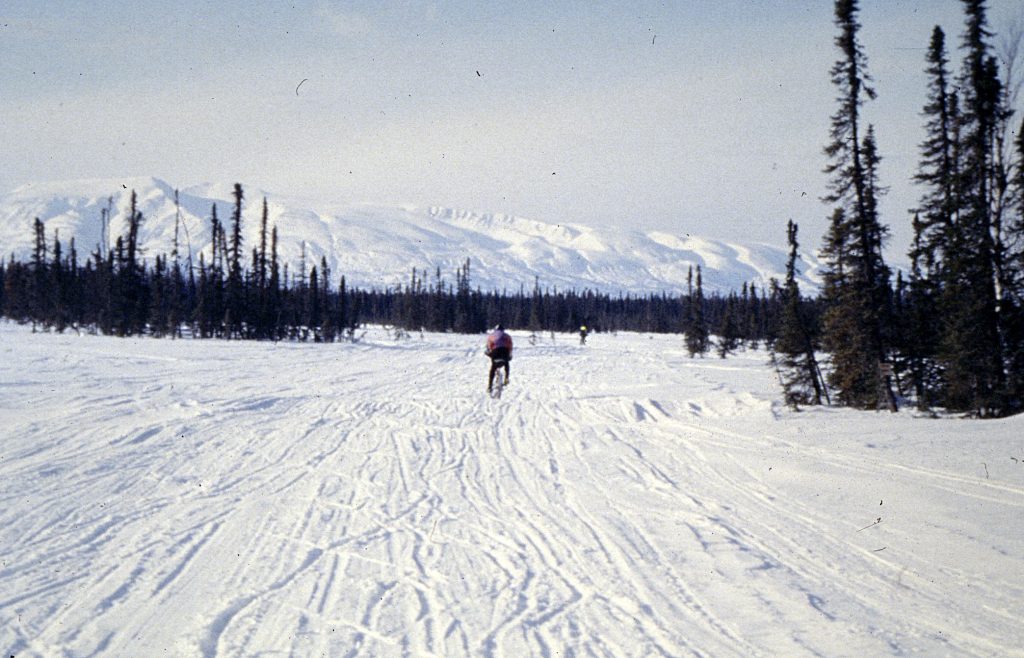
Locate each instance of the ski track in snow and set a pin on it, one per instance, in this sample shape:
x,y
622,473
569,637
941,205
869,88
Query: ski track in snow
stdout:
x,y
202,498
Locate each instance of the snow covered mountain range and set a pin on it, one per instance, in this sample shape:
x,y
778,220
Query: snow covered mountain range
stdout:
x,y
378,246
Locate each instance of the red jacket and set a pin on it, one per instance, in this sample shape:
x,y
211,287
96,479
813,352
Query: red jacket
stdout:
x,y
498,338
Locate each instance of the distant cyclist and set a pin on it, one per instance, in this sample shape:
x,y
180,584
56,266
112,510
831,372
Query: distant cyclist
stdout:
x,y
499,348
583,335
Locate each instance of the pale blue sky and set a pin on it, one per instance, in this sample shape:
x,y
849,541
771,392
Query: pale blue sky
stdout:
x,y
696,117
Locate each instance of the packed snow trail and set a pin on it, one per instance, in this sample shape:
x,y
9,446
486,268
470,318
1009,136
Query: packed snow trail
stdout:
x,y
208,498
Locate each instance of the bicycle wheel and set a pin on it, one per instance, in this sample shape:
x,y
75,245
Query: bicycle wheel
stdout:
x,y
499,380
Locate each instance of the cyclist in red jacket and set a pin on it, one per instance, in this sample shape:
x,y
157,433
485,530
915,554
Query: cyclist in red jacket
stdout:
x,y
499,348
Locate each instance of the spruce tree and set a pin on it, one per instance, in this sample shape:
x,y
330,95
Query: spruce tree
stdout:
x,y
55,291
935,224
919,325
937,172
344,324
312,319
697,341
328,316
201,313
133,310
971,347
215,276
40,273
4,310
793,352
235,293
1013,299
177,300
465,320
274,302
857,294
158,309
728,327
261,265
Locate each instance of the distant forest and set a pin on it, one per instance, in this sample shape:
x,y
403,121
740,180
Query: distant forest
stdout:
x,y
947,334
253,296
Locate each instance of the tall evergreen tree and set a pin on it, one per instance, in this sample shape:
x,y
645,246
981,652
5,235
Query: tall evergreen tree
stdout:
x,y
1013,301
971,347
919,329
214,290
274,310
130,276
37,307
937,172
697,333
235,302
261,265
56,288
858,291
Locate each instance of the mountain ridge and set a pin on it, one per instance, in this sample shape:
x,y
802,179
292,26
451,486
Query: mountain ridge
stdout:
x,y
378,246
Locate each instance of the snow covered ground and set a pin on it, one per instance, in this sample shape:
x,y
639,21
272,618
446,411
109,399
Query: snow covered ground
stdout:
x,y
193,498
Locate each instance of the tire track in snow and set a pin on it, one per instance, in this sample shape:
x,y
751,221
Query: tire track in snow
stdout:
x,y
825,571
371,500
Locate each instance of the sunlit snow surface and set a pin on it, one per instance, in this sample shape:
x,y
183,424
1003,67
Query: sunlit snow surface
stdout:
x,y
209,498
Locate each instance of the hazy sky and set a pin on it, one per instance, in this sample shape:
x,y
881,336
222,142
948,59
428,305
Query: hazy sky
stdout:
x,y
704,117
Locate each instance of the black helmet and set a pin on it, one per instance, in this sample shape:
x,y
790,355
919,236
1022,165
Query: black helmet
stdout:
x,y
499,327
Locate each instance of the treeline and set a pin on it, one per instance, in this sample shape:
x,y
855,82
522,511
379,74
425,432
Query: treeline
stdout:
x,y
118,293
952,330
255,297
748,317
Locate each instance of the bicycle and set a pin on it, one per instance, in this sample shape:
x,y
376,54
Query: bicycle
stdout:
x,y
500,378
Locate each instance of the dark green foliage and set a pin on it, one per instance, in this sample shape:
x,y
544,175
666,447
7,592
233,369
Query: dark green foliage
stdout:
x,y
1013,300
117,293
935,217
98,296
961,310
857,323
918,332
793,351
971,349
697,335
235,289
729,335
